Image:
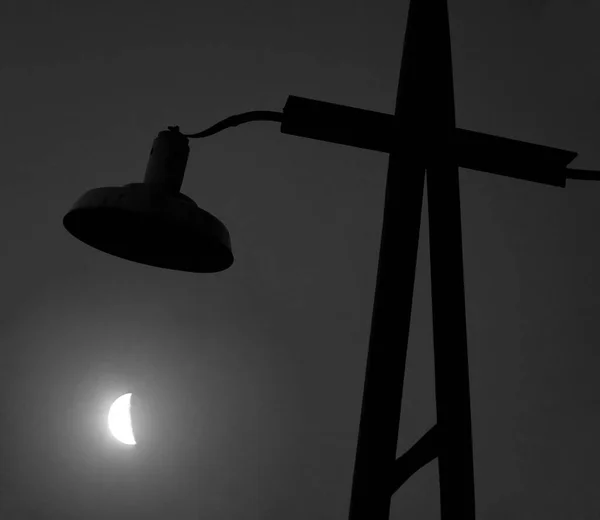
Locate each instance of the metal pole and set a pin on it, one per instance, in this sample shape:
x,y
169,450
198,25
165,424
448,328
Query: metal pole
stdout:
x,y
455,450
372,485
386,359
423,126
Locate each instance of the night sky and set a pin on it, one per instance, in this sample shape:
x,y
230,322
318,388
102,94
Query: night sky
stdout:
x,y
248,382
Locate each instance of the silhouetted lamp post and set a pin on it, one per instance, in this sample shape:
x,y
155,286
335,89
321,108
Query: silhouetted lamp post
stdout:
x,y
153,223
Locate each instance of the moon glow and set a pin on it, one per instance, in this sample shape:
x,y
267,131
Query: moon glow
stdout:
x,y
119,420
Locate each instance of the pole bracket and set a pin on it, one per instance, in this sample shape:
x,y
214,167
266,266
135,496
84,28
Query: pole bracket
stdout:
x,y
419,455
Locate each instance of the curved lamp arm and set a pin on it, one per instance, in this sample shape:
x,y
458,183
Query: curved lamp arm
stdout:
x,y
235,120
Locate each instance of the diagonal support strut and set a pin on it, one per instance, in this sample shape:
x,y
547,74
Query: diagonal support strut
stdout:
x,y
419,455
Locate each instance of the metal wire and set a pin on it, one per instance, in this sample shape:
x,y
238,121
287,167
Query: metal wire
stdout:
x,y
583,175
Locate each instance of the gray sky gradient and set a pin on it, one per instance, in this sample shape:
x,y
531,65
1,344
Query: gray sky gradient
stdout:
x,y
249,381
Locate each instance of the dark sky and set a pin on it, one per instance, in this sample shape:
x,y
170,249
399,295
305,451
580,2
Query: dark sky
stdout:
x,y
250,380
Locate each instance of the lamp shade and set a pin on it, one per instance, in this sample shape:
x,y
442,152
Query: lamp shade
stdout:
x,y
143,223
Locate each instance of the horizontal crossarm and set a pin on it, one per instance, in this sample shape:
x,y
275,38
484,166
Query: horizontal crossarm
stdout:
x,y
512,158
474,150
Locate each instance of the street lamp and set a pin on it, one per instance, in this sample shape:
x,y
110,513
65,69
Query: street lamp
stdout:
x,y
153,223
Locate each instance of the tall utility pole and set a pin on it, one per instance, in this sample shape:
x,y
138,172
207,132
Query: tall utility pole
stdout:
x,y
422,140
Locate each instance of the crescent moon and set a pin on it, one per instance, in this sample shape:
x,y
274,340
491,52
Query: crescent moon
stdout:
x,y
119,420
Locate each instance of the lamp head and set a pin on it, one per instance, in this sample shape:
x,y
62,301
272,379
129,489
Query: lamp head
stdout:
x,y
152,222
